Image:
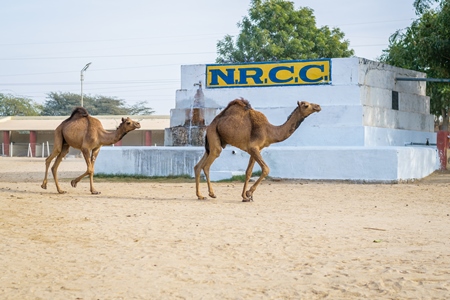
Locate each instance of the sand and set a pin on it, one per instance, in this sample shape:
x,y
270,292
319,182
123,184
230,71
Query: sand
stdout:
x,y
149,239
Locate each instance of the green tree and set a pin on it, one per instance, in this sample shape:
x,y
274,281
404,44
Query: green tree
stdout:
x,y
425,46
101,105
61,104
18,106
140,108
274,31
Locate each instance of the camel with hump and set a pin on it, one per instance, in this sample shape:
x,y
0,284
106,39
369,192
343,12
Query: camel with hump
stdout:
x,y
241,126
86,133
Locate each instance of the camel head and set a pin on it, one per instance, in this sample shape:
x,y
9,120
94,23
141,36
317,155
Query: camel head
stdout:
x,y
307,108
128,125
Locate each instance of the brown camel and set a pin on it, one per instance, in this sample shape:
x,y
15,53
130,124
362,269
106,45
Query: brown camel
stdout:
x,y
84,132
241,126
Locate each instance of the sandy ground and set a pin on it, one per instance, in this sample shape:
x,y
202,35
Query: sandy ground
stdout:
x,y
151,239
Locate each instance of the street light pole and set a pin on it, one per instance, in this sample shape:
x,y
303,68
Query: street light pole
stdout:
x,y
82,78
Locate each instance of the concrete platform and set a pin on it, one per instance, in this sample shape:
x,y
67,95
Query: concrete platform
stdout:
x,y
362,164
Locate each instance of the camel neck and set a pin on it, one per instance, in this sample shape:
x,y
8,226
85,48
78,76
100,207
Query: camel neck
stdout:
x,y
282,132
112,137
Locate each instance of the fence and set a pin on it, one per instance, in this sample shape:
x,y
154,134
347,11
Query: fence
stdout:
x,y
26,150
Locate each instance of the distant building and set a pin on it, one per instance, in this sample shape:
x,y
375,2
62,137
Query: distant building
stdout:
x,y
33,136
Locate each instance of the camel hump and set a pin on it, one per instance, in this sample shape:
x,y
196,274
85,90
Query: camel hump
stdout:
x,y
242,102
239,103
78,112
81,111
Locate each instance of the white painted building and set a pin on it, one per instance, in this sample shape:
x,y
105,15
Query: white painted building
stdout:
x,y
365,130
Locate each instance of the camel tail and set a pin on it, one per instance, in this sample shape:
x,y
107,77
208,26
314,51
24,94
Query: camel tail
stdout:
x,y
78,112
206,144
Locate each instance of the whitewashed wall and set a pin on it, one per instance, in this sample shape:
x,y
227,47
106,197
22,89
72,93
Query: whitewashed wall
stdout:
x,y
356,136
359,164
359,97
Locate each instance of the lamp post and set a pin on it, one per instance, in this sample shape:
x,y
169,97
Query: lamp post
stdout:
x,y
82,78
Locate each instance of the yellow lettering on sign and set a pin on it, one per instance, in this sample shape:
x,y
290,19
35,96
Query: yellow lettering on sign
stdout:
x,y
269,74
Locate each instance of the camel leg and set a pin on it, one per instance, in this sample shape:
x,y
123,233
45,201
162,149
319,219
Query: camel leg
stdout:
x,y
208,162
48,160
248,174
64,151
90,161
87,158
204,164
91,174
197,171
57,148
254,153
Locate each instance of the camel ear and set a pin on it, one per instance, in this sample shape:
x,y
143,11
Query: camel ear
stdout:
x,y
303,104
123,120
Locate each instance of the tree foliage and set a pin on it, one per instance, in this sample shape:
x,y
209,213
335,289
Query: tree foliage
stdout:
x,y
274,30
61,104
140,108
18,106
425,46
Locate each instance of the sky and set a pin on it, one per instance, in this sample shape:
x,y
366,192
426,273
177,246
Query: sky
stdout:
x,y
137,47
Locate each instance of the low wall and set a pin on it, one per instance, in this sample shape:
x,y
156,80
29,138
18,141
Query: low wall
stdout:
x,y
371,164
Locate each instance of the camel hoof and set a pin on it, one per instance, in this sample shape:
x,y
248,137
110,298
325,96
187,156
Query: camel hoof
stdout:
x,y
95,193
248,197
201,198
62,192
73,183
44,186
212,195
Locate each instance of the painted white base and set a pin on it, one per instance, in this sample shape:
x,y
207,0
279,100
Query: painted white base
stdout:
x,y
368,164
223,175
